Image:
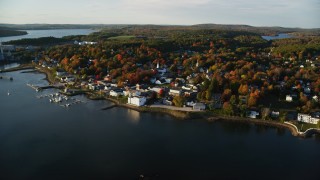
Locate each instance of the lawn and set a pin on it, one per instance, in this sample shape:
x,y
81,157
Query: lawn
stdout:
x,y
304,126
121,37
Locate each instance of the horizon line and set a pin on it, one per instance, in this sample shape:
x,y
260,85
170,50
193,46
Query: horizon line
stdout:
x,y
275,26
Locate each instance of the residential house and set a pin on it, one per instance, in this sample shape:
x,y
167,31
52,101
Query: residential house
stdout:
x,y
167,102
161,81
116,92
275,114
137,100
307,90
168,80
199,106
157,89
252,114
92,86
289,98
175,92
190,103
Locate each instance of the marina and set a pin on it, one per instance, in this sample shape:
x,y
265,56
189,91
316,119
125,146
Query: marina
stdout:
x,y
59,98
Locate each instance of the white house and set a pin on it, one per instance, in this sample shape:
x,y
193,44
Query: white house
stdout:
x,y
175,92
307,118
67,79
92,86
252,114
168,80
116,93
132,92
190,87
156,89
289,98
275,114
199,106
137,100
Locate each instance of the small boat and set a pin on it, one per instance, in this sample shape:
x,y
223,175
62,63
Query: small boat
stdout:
x,y
8,93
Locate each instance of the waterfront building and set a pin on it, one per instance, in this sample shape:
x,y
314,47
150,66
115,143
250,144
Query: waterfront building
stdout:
x,y
137,100
306,118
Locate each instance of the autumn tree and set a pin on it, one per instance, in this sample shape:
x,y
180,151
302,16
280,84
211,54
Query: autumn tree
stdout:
x,y
228,108
243,89
252,101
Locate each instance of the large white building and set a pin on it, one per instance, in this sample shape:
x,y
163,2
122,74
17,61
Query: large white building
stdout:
x,y
307,118
137,100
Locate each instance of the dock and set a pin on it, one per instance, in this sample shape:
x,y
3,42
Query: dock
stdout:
x,y
6,77
72,103
38,88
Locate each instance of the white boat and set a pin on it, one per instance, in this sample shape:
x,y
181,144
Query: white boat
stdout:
x,y
8,93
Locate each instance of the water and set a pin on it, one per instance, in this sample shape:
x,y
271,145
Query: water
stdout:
x,y
58,33
279,36
41,140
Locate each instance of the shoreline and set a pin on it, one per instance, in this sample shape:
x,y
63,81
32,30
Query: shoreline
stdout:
x,y
181,115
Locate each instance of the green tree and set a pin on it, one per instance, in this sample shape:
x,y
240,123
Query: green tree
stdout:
x,y
208,95
233,100
179,101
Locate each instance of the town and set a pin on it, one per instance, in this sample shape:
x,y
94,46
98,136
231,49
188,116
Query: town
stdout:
x,y
234,73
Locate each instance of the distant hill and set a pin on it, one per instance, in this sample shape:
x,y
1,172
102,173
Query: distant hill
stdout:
x,y
261,30
258,30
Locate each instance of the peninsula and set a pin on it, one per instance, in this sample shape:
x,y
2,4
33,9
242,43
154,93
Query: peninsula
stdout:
x,y
204,71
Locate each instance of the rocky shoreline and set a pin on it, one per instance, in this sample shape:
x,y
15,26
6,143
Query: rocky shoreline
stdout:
x,y
187,115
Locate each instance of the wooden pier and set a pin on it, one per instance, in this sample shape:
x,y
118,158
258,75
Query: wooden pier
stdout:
x,y
38,88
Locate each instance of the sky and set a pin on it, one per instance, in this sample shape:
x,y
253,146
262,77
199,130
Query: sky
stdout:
x,y
285,13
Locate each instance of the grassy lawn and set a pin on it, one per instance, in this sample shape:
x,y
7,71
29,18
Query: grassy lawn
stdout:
x,y
304,126
121,37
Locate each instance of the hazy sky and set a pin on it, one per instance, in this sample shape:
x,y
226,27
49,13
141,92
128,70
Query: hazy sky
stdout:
x,y
286,13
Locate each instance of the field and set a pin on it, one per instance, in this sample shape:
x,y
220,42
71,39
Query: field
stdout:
x,y
121,37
